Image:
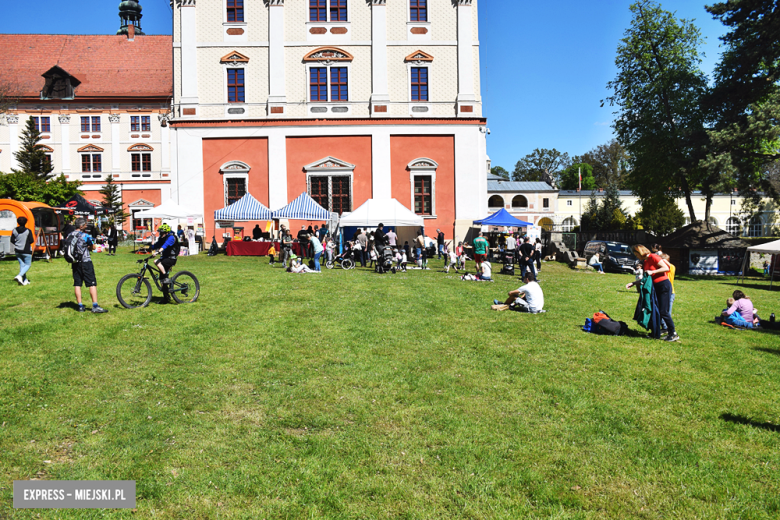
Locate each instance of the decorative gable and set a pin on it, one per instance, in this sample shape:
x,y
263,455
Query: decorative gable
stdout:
x,y
329,164
419,57
90,148
328,54
140,147
423,163
141,203
234,58
45,148
235,167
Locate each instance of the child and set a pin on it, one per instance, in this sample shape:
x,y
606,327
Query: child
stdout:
x,y
271,253
740,312
461,256
404,260
453,261
372,256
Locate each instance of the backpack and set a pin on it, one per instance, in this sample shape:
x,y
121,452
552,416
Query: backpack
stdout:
x,y
213,247
69,248
603,324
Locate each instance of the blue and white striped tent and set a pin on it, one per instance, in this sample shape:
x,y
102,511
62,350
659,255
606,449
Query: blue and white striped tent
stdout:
x,y
303,208
245,208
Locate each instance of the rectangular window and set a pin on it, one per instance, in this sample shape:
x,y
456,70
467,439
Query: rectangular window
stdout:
x,y
235,85
135,123
141,162
318,11
340,195
91,163
318,83
423,199
569,203
90,124
96,123
85,124
338,84
338,10
146,123
236,188
545,203
418,10
319,191
419,83
42,124
235,10
332,193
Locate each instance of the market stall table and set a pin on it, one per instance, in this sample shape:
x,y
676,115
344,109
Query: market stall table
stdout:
x,y
246,248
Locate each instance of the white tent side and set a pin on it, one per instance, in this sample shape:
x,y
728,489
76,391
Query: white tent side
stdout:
x,y
771,248
389,212
168,210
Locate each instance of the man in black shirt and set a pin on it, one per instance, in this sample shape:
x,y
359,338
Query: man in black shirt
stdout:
x,y
257,232
527,257
440,244
303,240
380,238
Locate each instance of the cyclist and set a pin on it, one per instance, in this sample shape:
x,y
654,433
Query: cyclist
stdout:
x,y
167,246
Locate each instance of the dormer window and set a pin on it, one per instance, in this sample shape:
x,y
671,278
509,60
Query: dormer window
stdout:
x,y
59,84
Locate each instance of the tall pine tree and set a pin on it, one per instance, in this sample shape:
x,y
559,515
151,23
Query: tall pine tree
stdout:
x,y
31,157
112,201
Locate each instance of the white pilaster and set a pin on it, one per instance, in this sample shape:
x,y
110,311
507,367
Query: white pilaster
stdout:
x,y
13,138
379,89
165,149
188,188
381,181
65,142
465,55
116,149
189,56
470,174
277,94
277,168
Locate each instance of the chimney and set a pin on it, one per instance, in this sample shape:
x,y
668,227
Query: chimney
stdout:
x,y
130,32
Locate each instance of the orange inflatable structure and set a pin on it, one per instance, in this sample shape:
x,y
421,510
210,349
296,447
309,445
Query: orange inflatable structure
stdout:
x,y
42,220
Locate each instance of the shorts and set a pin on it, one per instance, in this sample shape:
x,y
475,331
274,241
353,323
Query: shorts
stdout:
x,y
167,263
479,258
83,274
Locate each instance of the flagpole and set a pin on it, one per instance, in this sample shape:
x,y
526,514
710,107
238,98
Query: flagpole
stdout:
x,y
579,194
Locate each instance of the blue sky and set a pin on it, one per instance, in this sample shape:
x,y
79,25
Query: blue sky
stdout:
x,y
544,65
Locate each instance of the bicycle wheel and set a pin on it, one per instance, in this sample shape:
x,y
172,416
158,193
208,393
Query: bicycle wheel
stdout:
x,y
329,264
347,264
184,287
133,292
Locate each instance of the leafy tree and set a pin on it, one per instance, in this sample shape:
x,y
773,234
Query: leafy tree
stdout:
x,y
112,200
541,165
590,218
660,216
610,164
658,90
570,177
31,157
745,99
610,207
500,172
24,186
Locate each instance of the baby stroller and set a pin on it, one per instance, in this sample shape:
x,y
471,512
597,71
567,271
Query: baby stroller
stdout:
x,y
509,263
346,260
385,261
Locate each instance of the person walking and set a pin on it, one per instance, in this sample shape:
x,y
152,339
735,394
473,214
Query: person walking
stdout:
x,y
392,238
538,247
286,246
22,239
113,239
480,250
82,268
527,257
317,249
440,244
363,241
303,240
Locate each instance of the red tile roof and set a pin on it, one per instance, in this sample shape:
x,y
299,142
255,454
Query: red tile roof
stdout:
x,y
108,66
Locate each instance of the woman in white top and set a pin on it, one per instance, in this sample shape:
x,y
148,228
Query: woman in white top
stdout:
x,y
595,264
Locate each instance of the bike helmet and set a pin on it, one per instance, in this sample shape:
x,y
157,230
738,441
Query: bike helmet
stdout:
x,y
164,228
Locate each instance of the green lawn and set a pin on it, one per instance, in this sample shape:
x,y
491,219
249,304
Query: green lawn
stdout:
x,y
356,395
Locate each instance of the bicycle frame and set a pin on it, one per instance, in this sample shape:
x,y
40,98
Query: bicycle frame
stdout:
x,y
152,270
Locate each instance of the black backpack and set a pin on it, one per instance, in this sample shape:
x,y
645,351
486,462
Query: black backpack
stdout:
x,y
610,327
69,249
213,247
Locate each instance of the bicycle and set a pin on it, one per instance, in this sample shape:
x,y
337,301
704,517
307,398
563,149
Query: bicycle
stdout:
x,y
134,290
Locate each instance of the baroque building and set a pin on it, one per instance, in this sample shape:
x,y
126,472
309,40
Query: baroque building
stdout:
x,y
347,100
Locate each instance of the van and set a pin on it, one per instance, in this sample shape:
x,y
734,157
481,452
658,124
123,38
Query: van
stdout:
x,y
617,257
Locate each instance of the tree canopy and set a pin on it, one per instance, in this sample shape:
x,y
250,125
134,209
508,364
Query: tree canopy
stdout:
x,y
500,172
610,164
570,179
541,165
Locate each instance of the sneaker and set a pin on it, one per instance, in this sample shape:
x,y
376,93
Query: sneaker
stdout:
x,y
98,310
19,279
664,331
166,281
26,282
496,302
672,337
81,308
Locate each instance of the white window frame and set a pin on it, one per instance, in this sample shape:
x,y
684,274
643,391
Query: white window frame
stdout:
x,y
327,15
234,170
569,221
428,65
329,104
569,202
335,168
410,24
734,226
225,22
523,208
243,104
755,227
423,166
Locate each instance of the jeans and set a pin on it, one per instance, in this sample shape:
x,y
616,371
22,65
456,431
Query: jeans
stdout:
x,y
317,261
417,253
24,264
663,292
671,304
526,265
442,252
285,254
737,320
598,267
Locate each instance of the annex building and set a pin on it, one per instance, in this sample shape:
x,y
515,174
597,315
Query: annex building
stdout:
x,y
347,100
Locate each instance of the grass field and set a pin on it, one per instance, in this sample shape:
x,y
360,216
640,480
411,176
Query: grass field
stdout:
x,y
356,395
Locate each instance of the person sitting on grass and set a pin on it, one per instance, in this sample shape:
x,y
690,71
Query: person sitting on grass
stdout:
x,y
596,264
740,312
528,298
485,271
300,268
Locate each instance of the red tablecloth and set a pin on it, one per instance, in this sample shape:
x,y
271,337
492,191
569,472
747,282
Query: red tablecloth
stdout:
x,y
240,248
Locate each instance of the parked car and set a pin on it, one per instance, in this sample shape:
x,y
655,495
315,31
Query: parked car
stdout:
x,y
617,257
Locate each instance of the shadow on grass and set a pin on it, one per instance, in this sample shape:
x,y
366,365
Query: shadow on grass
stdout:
x,y
774,351
740,419
763,286
68,305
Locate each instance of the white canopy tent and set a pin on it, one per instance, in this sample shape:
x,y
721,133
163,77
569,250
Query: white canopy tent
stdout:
x,y
770,248
169,210
389,212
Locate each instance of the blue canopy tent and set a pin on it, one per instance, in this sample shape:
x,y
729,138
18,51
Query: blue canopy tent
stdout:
x,y
302,208
502,218
245,208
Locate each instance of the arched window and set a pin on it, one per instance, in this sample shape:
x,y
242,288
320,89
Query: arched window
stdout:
x,y
733,226
546,224
755,227
569,224
235,179
713,221
496,201
519,202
